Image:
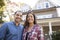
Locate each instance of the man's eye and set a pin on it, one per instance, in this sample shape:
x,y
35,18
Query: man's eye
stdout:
x,y
20,15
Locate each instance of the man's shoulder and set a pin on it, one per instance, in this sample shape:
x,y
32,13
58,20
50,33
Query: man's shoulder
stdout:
x,y
9,22
6,23
22,25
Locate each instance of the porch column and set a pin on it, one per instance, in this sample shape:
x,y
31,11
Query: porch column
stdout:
x,y
50,30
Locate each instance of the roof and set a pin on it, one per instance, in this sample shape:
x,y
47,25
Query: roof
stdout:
x,y
42,10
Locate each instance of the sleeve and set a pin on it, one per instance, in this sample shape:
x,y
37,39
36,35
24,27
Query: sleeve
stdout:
x,y
40,33
3,31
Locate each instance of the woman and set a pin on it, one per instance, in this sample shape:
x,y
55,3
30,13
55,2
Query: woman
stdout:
x,y
32,31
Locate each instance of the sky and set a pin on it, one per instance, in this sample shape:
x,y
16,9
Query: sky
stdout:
x,y
29,2
55,2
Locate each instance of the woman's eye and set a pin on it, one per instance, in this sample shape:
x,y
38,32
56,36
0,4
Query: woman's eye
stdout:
x,y
31,16
17,15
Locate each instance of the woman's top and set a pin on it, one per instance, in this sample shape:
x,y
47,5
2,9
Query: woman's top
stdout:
x,y
36,33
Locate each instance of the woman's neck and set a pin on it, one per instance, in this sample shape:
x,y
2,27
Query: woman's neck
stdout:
x,y
31,25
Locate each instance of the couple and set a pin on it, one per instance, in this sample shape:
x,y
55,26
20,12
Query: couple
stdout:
x,y
15,31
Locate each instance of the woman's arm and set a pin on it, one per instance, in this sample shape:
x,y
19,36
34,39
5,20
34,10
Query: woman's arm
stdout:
x,y
40,33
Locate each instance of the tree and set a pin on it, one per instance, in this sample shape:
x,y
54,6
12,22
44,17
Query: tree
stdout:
x,y
2,4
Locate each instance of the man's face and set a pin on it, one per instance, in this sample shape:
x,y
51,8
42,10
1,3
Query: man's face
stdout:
x,y
18,17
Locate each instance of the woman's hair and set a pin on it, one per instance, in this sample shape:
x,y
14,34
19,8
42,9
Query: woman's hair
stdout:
x,y
26,24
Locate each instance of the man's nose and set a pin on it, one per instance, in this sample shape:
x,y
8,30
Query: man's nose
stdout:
x,y
19,16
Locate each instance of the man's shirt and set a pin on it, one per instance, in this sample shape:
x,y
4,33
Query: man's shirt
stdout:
x,y
9,31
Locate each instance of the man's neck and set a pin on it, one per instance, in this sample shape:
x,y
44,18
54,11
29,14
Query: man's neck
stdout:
x,y
17,23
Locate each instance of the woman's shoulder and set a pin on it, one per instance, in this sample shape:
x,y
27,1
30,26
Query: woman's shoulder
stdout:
x,y
37,26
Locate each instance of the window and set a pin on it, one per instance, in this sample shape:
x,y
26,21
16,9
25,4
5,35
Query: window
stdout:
x,y
46,4
44,16
39,6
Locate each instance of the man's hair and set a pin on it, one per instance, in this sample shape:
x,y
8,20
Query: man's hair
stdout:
x,y
18,11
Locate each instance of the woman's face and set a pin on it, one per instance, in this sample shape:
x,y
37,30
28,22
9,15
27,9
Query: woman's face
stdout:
x,y
30,18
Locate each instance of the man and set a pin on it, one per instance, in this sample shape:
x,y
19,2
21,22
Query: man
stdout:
x,y
12,30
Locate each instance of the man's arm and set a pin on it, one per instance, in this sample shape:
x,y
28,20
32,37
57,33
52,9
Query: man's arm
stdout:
x,y
3,30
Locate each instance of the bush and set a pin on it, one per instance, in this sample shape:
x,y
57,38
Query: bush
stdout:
x,y
56,35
